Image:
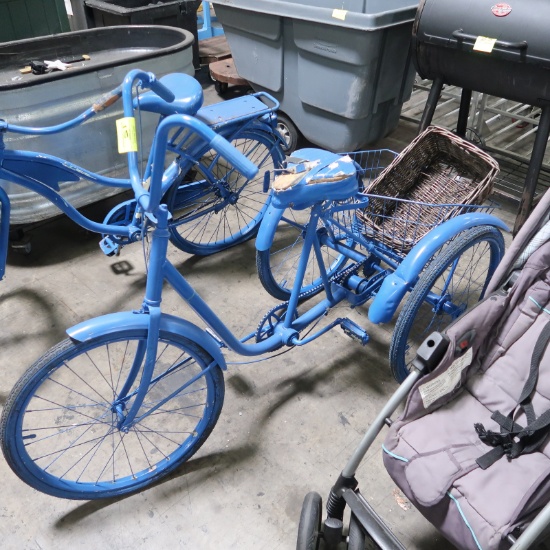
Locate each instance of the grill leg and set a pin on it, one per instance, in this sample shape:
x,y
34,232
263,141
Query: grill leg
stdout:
x,y
533,171
462,124
431,104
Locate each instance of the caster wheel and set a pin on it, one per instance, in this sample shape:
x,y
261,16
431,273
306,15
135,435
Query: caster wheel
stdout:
x,y
20,242
288,132
221,87
310,523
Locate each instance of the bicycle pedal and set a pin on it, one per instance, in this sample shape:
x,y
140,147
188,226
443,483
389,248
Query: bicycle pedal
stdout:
x,y
353,330
109,247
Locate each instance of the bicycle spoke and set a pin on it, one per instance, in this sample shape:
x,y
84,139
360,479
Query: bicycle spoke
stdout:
x,y
68,426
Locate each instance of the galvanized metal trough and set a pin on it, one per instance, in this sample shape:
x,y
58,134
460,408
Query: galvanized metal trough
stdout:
x,y
45,99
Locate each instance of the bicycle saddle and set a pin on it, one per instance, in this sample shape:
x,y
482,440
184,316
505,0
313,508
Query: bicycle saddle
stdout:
x,y
188,92
314,175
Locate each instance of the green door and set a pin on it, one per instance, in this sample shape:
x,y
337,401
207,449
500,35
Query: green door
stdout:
x,y
28,18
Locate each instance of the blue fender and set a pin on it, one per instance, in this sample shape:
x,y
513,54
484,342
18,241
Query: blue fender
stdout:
x,y
116,322
269,224
396,285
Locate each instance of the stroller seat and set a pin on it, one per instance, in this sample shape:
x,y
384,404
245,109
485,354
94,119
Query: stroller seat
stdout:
x,y
471,448
448,453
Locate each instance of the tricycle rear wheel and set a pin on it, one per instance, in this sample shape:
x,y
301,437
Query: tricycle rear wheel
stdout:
x,y
453,282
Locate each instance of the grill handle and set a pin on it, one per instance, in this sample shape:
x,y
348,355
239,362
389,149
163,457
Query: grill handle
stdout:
x,y
459,34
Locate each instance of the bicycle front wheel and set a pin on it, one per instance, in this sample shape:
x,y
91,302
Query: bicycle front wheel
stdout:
x,y
220,207
454,281
277,267
59,428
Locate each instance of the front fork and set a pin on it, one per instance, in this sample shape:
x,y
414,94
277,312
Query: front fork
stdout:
x,y
146,354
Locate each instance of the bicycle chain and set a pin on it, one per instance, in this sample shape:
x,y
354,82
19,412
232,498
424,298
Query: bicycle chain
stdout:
x,y
335,278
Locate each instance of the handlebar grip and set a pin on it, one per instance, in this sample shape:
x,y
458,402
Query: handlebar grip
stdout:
x,y
459,34
161,90
234,156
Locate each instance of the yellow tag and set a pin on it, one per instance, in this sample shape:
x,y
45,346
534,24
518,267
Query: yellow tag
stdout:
x,y
339,14
484,44
126,134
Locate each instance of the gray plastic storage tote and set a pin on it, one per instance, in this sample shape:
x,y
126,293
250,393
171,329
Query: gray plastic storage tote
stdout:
x,y
340,69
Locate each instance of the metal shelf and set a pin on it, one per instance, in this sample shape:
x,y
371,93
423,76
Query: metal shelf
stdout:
x,y
505,128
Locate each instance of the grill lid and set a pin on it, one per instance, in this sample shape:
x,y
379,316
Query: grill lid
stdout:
x,y
499,48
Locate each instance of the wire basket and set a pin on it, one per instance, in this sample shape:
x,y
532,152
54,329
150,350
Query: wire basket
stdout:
x,y
438,176
401,223
370,164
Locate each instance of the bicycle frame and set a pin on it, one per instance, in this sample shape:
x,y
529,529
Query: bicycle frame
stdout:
x,y
43,173
285,331
159,270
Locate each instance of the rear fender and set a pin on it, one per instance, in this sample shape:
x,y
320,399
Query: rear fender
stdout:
x,y
116,322
403,279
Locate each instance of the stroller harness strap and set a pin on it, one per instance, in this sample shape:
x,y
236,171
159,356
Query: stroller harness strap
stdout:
x,y
513,439
504,386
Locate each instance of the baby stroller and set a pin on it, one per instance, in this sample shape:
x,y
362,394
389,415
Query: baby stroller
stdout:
x,y
471,448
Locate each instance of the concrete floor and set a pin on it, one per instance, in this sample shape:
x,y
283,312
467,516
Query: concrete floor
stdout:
x,y
287,427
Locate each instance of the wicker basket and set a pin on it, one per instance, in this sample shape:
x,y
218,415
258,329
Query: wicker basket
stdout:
x,y
438,176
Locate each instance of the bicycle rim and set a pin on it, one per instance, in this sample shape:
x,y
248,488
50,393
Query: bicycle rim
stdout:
x,y
454,281
210,215
59,430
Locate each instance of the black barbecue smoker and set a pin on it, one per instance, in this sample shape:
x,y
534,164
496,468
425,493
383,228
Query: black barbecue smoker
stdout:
x,y
501,49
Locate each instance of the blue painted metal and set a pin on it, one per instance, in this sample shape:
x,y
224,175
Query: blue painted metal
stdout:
x,y
249,107
63,205
149,200
151,304
326,176
115,322
268,227
207,30
397,284
187,103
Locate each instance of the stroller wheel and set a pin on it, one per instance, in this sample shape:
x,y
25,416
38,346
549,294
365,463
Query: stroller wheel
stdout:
x,y
310,522
357,538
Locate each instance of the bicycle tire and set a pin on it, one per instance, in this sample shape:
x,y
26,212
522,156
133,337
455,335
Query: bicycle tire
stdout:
x,y
309,527
58,430
465,285
278,265
228,220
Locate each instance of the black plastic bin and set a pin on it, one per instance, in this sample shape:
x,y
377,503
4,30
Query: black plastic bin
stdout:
x,y
172,13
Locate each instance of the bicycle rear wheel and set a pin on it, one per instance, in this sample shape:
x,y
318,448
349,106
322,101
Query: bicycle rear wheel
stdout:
x,y
277,267
59,428
454,281
220,208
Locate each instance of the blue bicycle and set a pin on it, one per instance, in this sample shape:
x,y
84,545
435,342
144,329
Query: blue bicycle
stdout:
x,y
213,207
130,396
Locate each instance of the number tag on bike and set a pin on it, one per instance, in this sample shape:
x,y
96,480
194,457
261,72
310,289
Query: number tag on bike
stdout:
x,y
126,135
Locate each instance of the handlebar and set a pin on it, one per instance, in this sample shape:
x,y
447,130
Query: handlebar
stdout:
x,y
150,200
148,80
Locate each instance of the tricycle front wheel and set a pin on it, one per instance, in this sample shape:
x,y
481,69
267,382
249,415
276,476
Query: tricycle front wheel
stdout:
x,y
453,282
